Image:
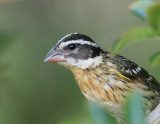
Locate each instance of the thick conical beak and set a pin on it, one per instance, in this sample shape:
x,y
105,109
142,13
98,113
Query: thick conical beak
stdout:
x,y
54,56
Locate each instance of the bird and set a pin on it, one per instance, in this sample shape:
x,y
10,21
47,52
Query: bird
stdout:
x,y
104,78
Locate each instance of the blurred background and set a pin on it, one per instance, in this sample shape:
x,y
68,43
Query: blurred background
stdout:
x,y
33,92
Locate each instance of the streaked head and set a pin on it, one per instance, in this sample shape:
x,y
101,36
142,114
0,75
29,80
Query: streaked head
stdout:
x,y
75,50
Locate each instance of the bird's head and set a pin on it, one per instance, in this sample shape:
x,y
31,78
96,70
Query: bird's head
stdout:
x,y
76,50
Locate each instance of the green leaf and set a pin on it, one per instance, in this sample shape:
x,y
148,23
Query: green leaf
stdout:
x,y
135,113
132,35
139,8
155,59
153,15
100,116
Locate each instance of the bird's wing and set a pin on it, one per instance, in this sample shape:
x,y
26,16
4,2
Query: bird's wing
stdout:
x,y
132,71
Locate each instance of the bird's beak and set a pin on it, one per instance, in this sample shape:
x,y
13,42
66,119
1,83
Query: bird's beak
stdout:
x,y
54,56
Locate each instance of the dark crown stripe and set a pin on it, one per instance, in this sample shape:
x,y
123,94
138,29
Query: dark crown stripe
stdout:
x,y
77,36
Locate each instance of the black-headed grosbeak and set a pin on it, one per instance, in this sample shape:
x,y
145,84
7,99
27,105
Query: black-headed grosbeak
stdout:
x,y
104,78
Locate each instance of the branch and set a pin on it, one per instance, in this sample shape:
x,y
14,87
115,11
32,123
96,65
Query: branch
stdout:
x,y
154,116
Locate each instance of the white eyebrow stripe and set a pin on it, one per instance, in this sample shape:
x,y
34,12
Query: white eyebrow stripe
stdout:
x,y
79,41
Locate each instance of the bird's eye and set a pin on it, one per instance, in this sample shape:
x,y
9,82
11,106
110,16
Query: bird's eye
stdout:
x,y
71,46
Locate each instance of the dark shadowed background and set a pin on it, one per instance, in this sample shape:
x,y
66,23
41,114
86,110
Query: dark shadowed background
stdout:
x,y
33,92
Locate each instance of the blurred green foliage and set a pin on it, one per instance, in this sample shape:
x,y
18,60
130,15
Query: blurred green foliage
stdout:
x,y
5,40
150,12
36,93
133,35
